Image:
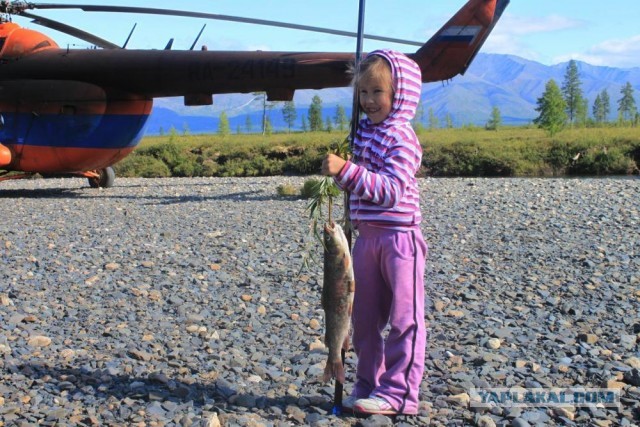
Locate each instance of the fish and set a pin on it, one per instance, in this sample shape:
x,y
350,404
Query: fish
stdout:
x,y
338,288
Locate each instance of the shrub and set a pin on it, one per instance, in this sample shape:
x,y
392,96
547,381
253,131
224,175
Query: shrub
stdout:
x,y
559,157
287,190
308,163
603,161
468,151
142,166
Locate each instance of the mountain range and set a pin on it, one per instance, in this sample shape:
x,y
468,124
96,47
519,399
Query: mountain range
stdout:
x,y
511,83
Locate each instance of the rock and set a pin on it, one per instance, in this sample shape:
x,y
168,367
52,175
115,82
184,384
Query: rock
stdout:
x,y
566,412
519,422
634,362
493,343
588,338
632,377
461,399
213,421
39,341
485,421
614,384
166,337
455,313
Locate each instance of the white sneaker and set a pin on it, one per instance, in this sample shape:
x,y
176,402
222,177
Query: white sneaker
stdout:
x,y
374,405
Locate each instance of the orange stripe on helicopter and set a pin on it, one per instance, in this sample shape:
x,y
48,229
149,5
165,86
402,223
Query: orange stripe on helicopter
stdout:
x,y
65,160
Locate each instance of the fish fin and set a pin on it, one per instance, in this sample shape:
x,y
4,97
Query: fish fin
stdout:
x,y
352,286
345,344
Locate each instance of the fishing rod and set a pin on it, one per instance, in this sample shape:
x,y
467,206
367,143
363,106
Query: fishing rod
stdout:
x,y
355,114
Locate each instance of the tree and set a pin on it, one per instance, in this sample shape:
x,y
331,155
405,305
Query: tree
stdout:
x,y
552,108
433,120
268,128
627,104
328,125
340,119
572,92
315,114
247,124
265,107
606,104
495,121
597,109
582,113
262,95
449,121
601,107
303,124
418,119
289,114
223,125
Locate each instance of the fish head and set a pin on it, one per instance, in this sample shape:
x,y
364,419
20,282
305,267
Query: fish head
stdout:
x,y
335,240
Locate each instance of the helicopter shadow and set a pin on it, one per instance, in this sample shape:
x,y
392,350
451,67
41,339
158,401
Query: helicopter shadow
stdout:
x,y
39,193
243,196
96,385
65,193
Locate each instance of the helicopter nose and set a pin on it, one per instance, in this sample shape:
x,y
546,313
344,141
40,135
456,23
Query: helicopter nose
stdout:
x,y
5,155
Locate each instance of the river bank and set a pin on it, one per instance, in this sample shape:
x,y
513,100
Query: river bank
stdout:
x,y
175,301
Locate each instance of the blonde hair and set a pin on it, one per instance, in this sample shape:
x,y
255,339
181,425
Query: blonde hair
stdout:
x,y
373,66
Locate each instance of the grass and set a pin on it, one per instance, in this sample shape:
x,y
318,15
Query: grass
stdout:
x,y
469,151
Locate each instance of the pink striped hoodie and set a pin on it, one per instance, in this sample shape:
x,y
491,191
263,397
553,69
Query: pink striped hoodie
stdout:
x,y
381,176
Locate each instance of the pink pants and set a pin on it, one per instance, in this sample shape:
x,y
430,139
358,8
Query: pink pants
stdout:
x,y
389,274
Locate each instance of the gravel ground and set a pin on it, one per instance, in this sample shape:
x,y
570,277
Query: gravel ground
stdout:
x,y
181,302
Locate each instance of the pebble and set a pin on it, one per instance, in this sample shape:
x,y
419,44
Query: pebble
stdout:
x,y
183,302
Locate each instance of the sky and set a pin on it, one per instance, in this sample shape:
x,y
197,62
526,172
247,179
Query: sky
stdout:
x,y
547,31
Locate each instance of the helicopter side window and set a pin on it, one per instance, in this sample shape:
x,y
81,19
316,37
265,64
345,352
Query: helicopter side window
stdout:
x,y
68,110
2,40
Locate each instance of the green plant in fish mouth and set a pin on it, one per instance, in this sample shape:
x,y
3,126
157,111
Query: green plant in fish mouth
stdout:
x,y
322,192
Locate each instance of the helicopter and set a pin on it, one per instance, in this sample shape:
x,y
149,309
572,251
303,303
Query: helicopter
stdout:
x,y
77,112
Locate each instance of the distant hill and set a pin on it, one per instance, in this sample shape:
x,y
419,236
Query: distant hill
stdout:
x,y
511,83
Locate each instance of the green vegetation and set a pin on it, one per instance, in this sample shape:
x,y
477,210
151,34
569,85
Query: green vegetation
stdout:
x,y
287,190
531,152
471,151
551,106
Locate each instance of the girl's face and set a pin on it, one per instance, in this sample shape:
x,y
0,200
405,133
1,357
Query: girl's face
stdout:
x,y
376,96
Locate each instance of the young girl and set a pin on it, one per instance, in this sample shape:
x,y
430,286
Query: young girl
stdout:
x,y
389,252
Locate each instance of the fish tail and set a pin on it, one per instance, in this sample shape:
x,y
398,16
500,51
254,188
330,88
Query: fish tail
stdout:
x,y
334,370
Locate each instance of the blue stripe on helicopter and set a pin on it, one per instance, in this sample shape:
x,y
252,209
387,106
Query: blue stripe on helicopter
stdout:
x,y
460,33
81,131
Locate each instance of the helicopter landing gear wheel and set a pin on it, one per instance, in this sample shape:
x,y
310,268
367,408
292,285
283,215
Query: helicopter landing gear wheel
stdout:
x,y
105,178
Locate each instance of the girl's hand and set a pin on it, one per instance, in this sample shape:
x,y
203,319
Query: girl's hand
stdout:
x,y
332,165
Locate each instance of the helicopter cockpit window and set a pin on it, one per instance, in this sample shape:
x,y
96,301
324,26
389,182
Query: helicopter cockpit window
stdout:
x,y
41,45
2,40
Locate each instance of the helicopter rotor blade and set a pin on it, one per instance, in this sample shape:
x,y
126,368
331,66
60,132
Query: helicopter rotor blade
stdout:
x,y
67,29
172,12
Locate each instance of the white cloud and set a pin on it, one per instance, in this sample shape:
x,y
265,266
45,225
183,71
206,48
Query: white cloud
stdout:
x,y
622,53
510,34
519,25
507,45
